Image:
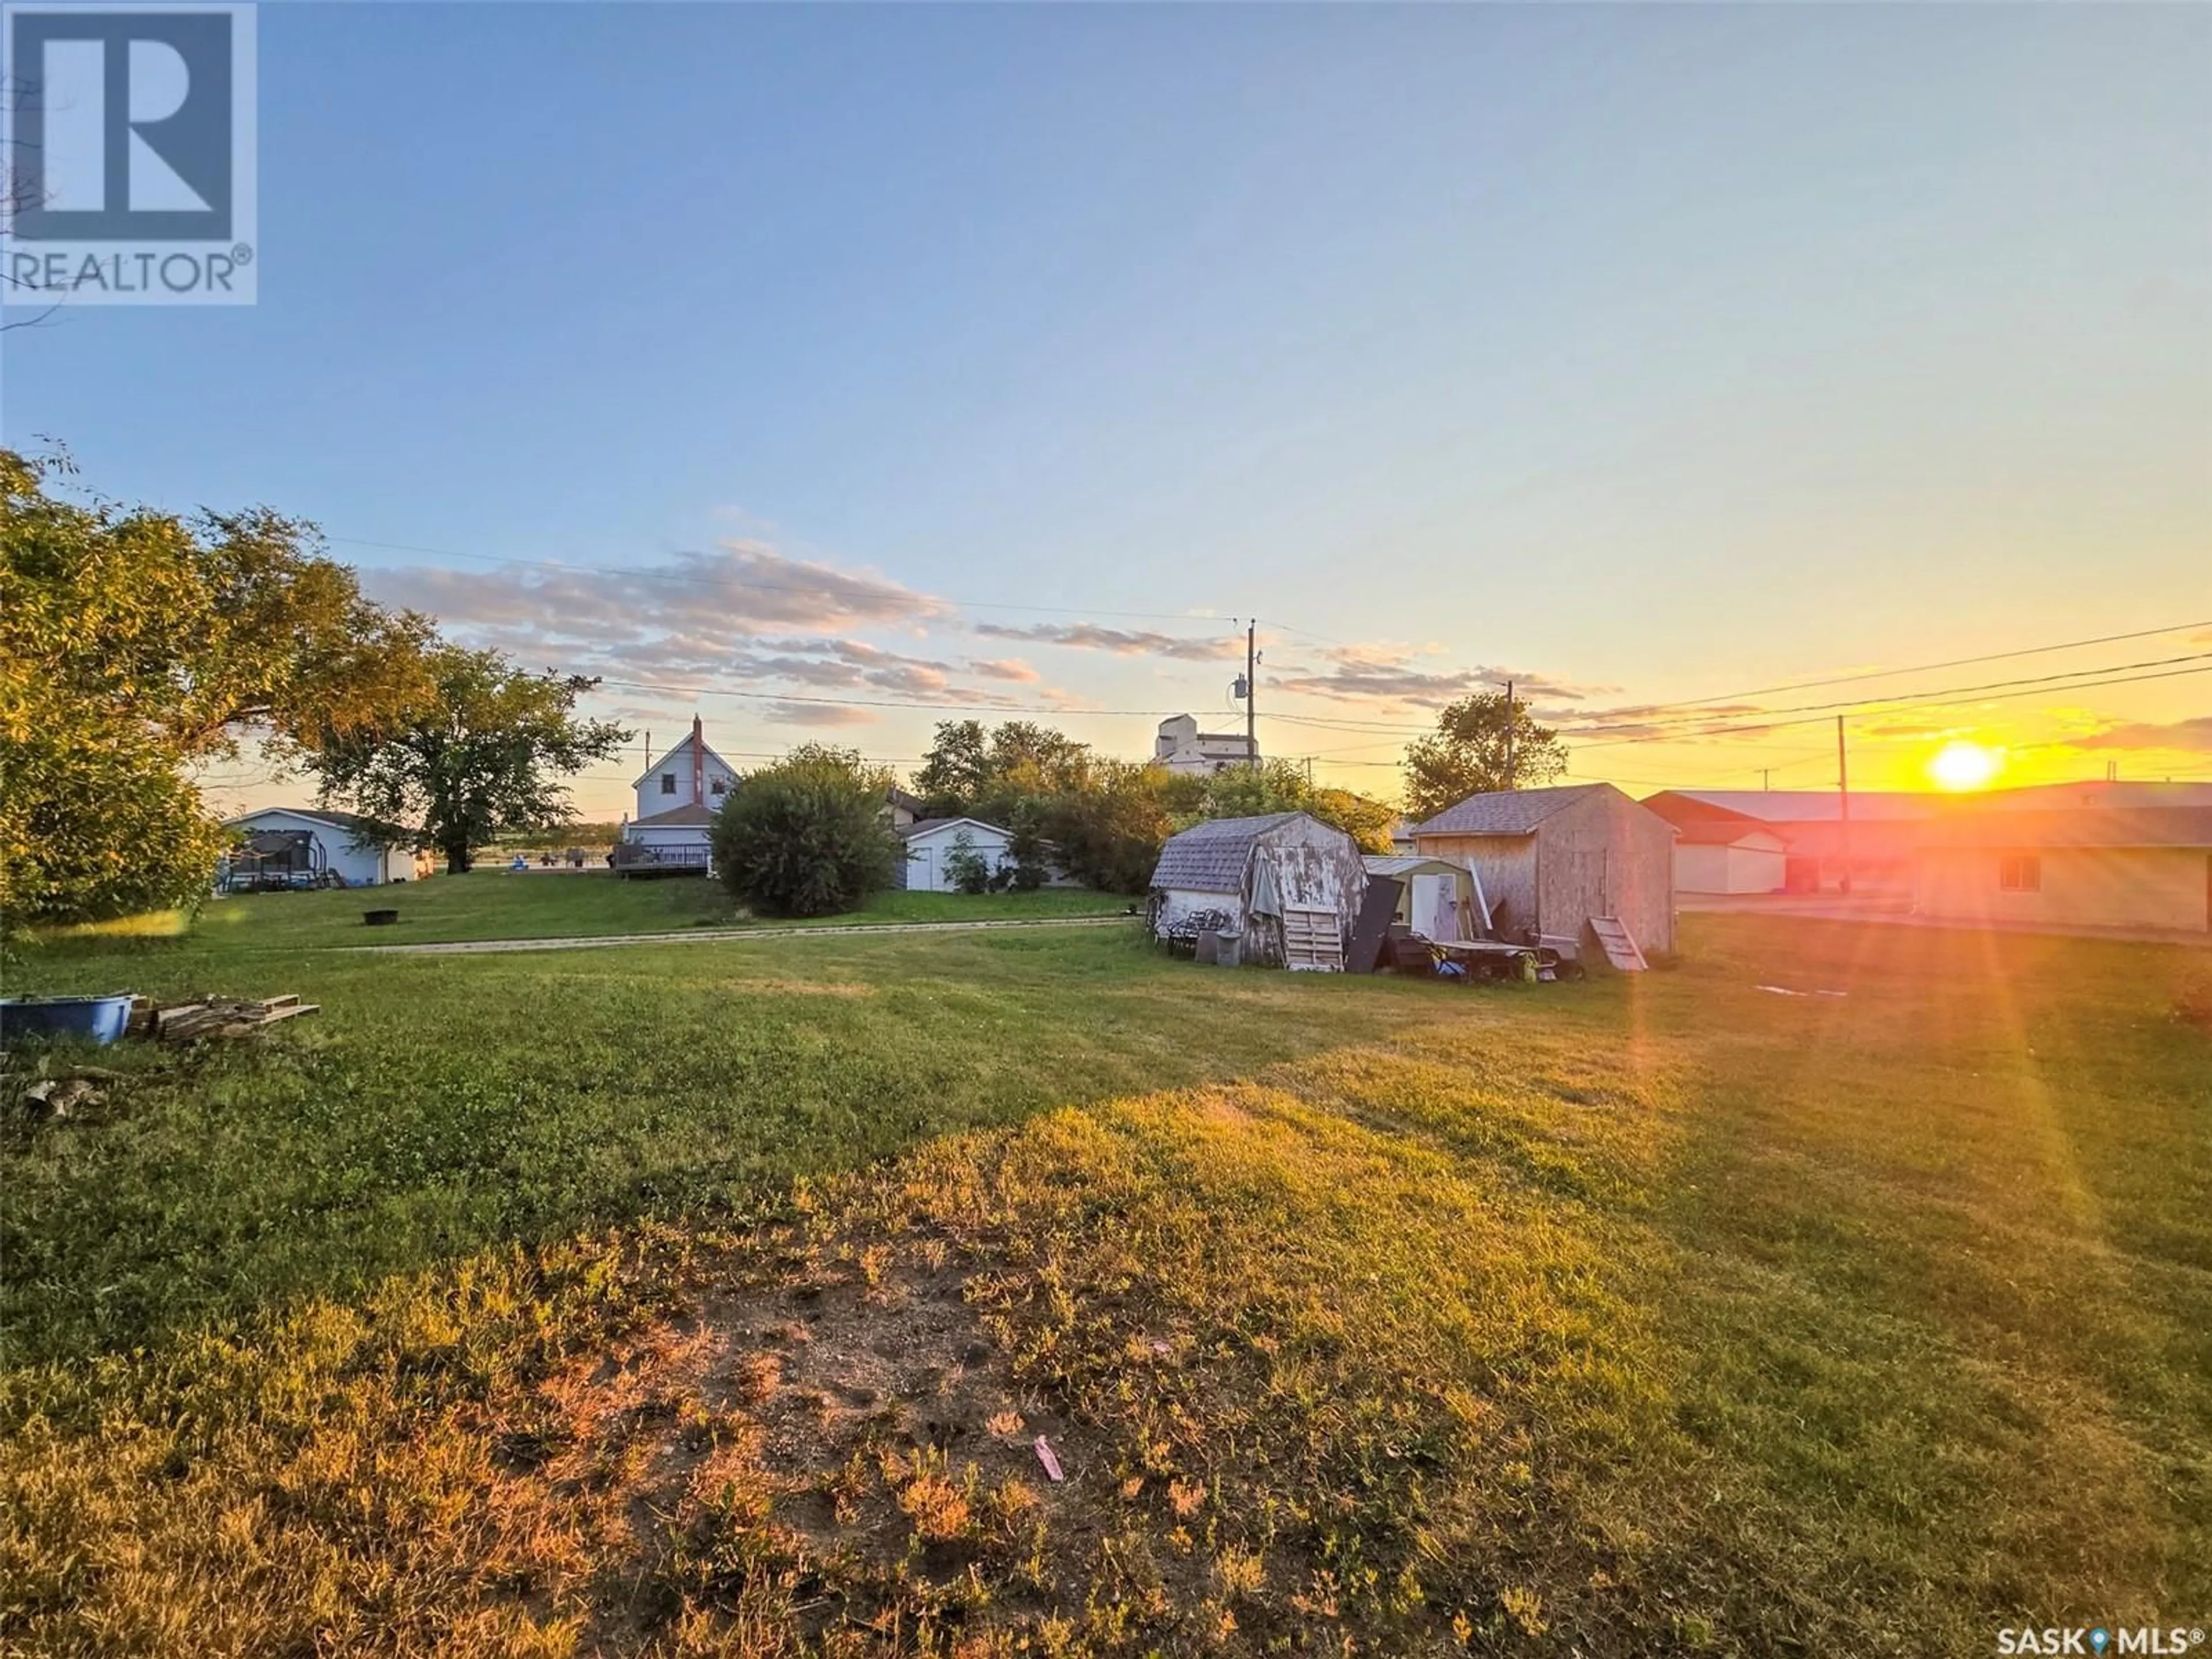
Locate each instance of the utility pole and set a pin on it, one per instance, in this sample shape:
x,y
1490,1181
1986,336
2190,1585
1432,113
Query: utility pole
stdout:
x,y
1252,695
1843,802
1765,778
1509,734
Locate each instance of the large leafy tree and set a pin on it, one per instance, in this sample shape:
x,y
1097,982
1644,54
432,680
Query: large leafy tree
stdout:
x,y
989,772
136,646
1107,834
482,756
1482,743
1281,786
807,837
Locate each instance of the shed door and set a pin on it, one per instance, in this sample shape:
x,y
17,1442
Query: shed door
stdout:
x,y
1436,908
921,874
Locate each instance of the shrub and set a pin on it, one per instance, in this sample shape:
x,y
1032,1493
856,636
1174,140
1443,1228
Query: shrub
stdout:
x,y
967,870
806,836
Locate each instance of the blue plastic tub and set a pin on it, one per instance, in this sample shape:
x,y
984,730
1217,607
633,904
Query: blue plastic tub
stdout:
x,y
100,1018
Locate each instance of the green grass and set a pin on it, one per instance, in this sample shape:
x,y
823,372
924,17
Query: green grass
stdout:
x,y
493,903
1654,1315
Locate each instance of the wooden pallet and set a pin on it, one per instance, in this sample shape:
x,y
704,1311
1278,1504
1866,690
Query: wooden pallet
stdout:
x,y
1619,944
224,1016
1313,940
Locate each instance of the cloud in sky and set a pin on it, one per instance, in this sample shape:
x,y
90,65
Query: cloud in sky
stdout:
x,y
1121,641
1389,674
1004,668
818,715
720,618
2193,736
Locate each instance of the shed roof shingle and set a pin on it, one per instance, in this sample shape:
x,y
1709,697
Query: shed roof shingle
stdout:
x,y
1211,857
1504,812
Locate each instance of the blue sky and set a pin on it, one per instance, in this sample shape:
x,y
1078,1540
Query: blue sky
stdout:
x,y
1650,353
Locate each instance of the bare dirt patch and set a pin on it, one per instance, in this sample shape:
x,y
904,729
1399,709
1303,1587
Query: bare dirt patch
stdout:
x,y
847,1444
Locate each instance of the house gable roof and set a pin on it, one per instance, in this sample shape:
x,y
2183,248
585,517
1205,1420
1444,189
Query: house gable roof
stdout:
x,y
1728,831
1796,805
924,826
1506,811
1211,857
669,759
352,822
689,814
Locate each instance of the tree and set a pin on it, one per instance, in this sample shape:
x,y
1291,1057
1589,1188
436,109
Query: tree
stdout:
x,y
806,836
1280,786
1026,847
1366,820
955,770
1468,753
136,645
1110,832
482,757
973,771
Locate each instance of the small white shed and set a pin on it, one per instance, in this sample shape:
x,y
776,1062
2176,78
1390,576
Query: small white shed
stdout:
x,y
929,841
329,843
1722,855
1271,875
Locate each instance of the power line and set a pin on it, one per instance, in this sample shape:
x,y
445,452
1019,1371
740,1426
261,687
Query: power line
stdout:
x,y
1351,724
1868,704
1895,706
1929,667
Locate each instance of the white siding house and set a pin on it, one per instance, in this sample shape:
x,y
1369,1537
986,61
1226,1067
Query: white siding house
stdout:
x,y
324,841
678,797
929,840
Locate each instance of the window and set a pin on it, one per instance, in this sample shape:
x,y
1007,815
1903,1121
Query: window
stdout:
x,y
2020,872
721,786
668,783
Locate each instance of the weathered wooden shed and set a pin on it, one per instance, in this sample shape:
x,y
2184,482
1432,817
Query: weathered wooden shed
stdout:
x,y
1262,873
1554,859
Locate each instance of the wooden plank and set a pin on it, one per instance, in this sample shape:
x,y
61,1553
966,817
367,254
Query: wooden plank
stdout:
x,y
1376,908
1619,944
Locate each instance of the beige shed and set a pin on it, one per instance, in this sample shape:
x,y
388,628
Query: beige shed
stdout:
x,y
1550,861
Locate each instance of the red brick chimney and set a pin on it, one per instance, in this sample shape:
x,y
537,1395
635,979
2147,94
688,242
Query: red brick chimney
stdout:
x,y
698,762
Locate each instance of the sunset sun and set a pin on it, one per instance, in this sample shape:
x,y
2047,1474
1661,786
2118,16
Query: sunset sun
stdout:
x,y
1962,765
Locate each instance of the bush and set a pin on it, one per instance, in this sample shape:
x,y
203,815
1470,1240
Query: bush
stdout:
x,y
806,836
1110,833
965,868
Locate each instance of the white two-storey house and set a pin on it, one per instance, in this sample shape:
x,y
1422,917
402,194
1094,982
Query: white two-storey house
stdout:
x,y
677,800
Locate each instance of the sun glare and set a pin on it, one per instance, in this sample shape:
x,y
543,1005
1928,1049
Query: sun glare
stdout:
x,y
1962,765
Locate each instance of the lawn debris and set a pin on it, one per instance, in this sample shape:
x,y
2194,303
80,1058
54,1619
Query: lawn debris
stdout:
x,y
1050,1458
57,1097
222,1016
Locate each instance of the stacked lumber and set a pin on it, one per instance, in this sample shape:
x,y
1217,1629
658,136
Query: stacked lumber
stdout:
x,y
222,1016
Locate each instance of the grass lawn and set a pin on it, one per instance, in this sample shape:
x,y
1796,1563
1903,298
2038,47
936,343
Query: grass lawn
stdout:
x,y
493,903
711,1300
